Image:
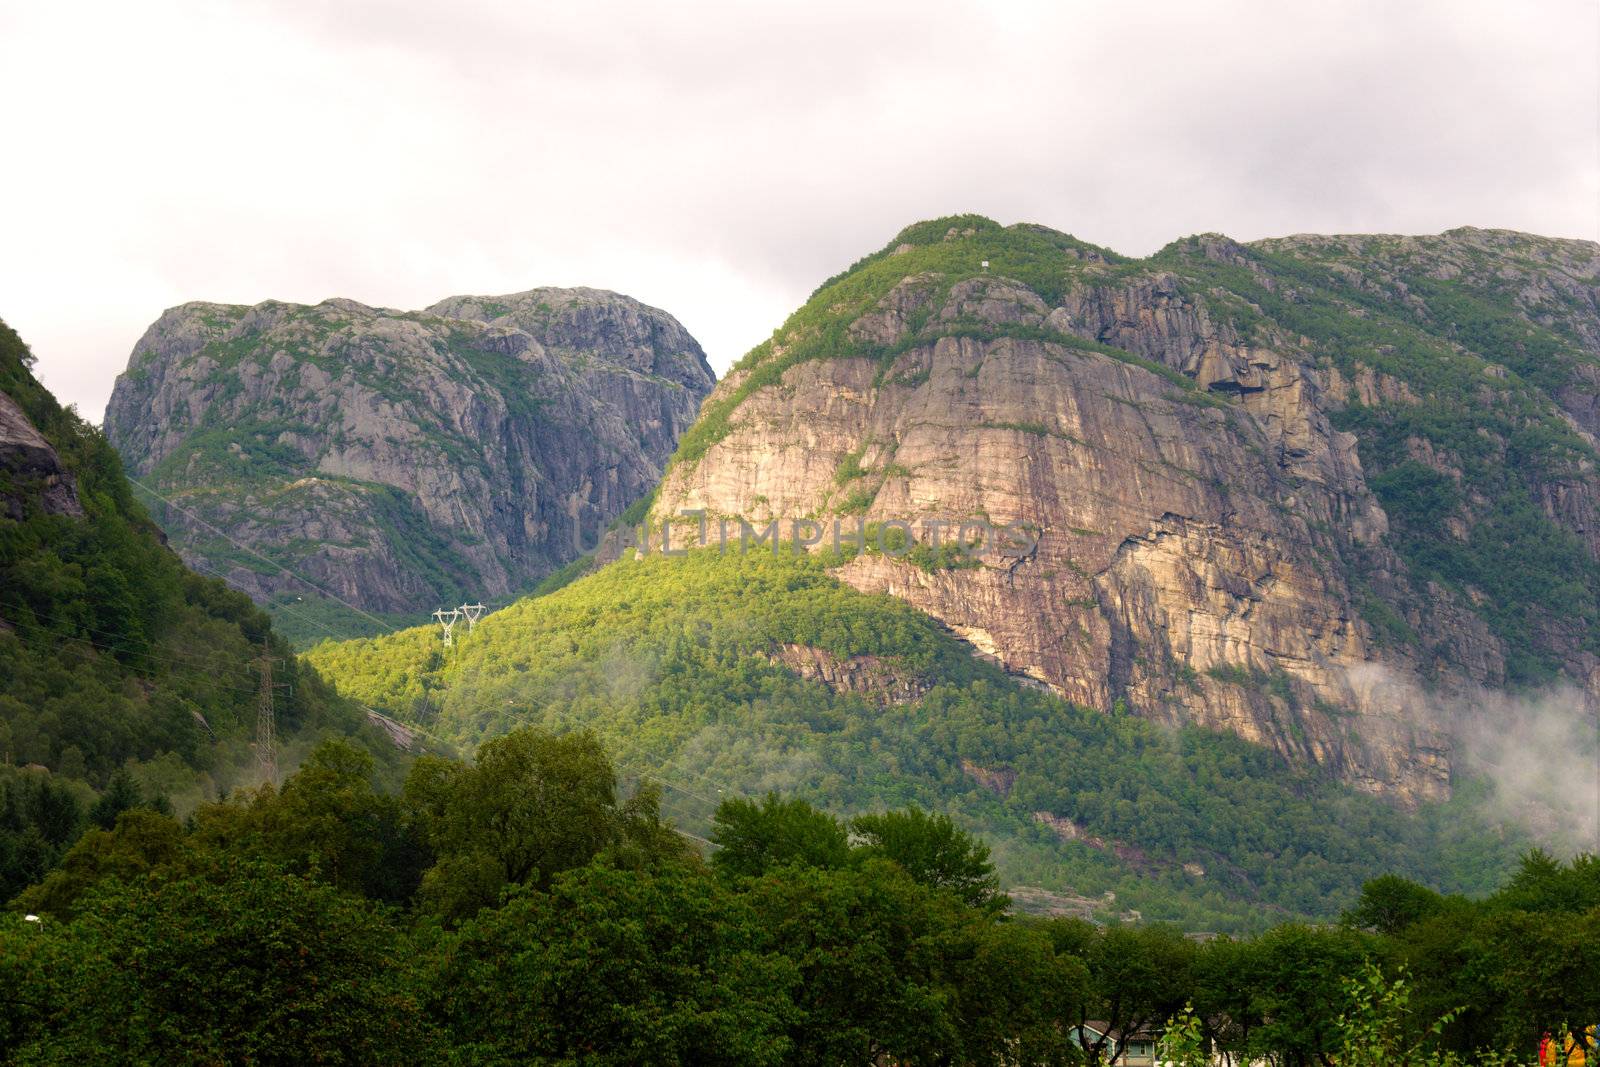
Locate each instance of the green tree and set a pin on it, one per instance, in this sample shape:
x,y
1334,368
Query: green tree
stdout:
x,y
1015,998
1544,883
40,818
238,964
866,943
753,837
141,841
618,967
1378,1028
329,822
1391,903
531,806
936,852
1183,1041
1296,975
1138,977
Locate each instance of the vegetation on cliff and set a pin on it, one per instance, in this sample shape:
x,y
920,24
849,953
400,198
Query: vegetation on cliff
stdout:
x,y
1486,346
1483,443
123,675
354,468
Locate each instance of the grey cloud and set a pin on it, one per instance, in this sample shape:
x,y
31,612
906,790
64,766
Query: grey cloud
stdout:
x,y
719,159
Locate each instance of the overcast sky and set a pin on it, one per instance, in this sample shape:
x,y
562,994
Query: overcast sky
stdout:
x,y
720,159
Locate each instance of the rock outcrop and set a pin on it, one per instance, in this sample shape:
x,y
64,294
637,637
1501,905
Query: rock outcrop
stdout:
x,y
1207,547
400,460
872,677
31,473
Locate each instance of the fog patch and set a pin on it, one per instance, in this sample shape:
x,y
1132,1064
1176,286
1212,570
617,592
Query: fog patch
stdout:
x,y
1539,750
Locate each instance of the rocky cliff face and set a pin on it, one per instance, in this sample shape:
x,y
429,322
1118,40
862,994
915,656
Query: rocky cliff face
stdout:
x,y
1271,486
30,470
402,460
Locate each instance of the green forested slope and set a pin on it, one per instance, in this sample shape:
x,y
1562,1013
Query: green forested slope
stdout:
x,y
670,662
119,666
522,908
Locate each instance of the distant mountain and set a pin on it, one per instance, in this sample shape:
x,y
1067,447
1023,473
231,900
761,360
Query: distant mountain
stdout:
x,y
115,660
1304,490
401,461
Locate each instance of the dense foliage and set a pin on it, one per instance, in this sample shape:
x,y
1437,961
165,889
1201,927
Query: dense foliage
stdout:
x,y
115,658
672,663
267,929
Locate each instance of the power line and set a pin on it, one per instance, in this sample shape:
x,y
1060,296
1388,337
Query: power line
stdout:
x,y
217,574
685,833
473,612
695,837
680,789
153,664
221,665
661,763
246,548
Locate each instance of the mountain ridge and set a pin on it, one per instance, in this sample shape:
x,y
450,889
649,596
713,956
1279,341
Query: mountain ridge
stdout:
x,y
1404,478
126,679
1229,539
402,460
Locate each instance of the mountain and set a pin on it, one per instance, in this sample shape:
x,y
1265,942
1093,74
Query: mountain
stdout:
x,y
401,461
1245,525
122,673
1314,491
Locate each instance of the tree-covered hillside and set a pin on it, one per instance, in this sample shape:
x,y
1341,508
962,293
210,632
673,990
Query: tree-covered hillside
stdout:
x,y
687,669
123,675
524,909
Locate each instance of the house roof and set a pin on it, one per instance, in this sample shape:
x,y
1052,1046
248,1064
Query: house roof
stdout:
x,y
1102,1027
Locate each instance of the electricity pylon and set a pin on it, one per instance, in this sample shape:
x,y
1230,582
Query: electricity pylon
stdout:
x,y
266,728
472,613
447,620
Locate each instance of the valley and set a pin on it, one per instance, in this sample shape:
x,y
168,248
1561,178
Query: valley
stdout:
x,y
1150,663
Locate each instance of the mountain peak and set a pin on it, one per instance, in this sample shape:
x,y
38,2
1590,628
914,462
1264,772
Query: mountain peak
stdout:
x,y
402,459
1178,425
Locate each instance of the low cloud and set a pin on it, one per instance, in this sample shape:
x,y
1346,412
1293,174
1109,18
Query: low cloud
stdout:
x,y
1542,752
1539,750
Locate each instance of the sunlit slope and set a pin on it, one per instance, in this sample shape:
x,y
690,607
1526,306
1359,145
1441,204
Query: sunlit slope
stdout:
x,y
691,668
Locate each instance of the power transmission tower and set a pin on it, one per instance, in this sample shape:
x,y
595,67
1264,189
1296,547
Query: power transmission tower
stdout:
x,y
447,621
473,612
266,728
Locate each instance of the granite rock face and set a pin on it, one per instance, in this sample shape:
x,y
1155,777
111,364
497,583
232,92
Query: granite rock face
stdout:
x,y
1208,548
30,470
400,460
